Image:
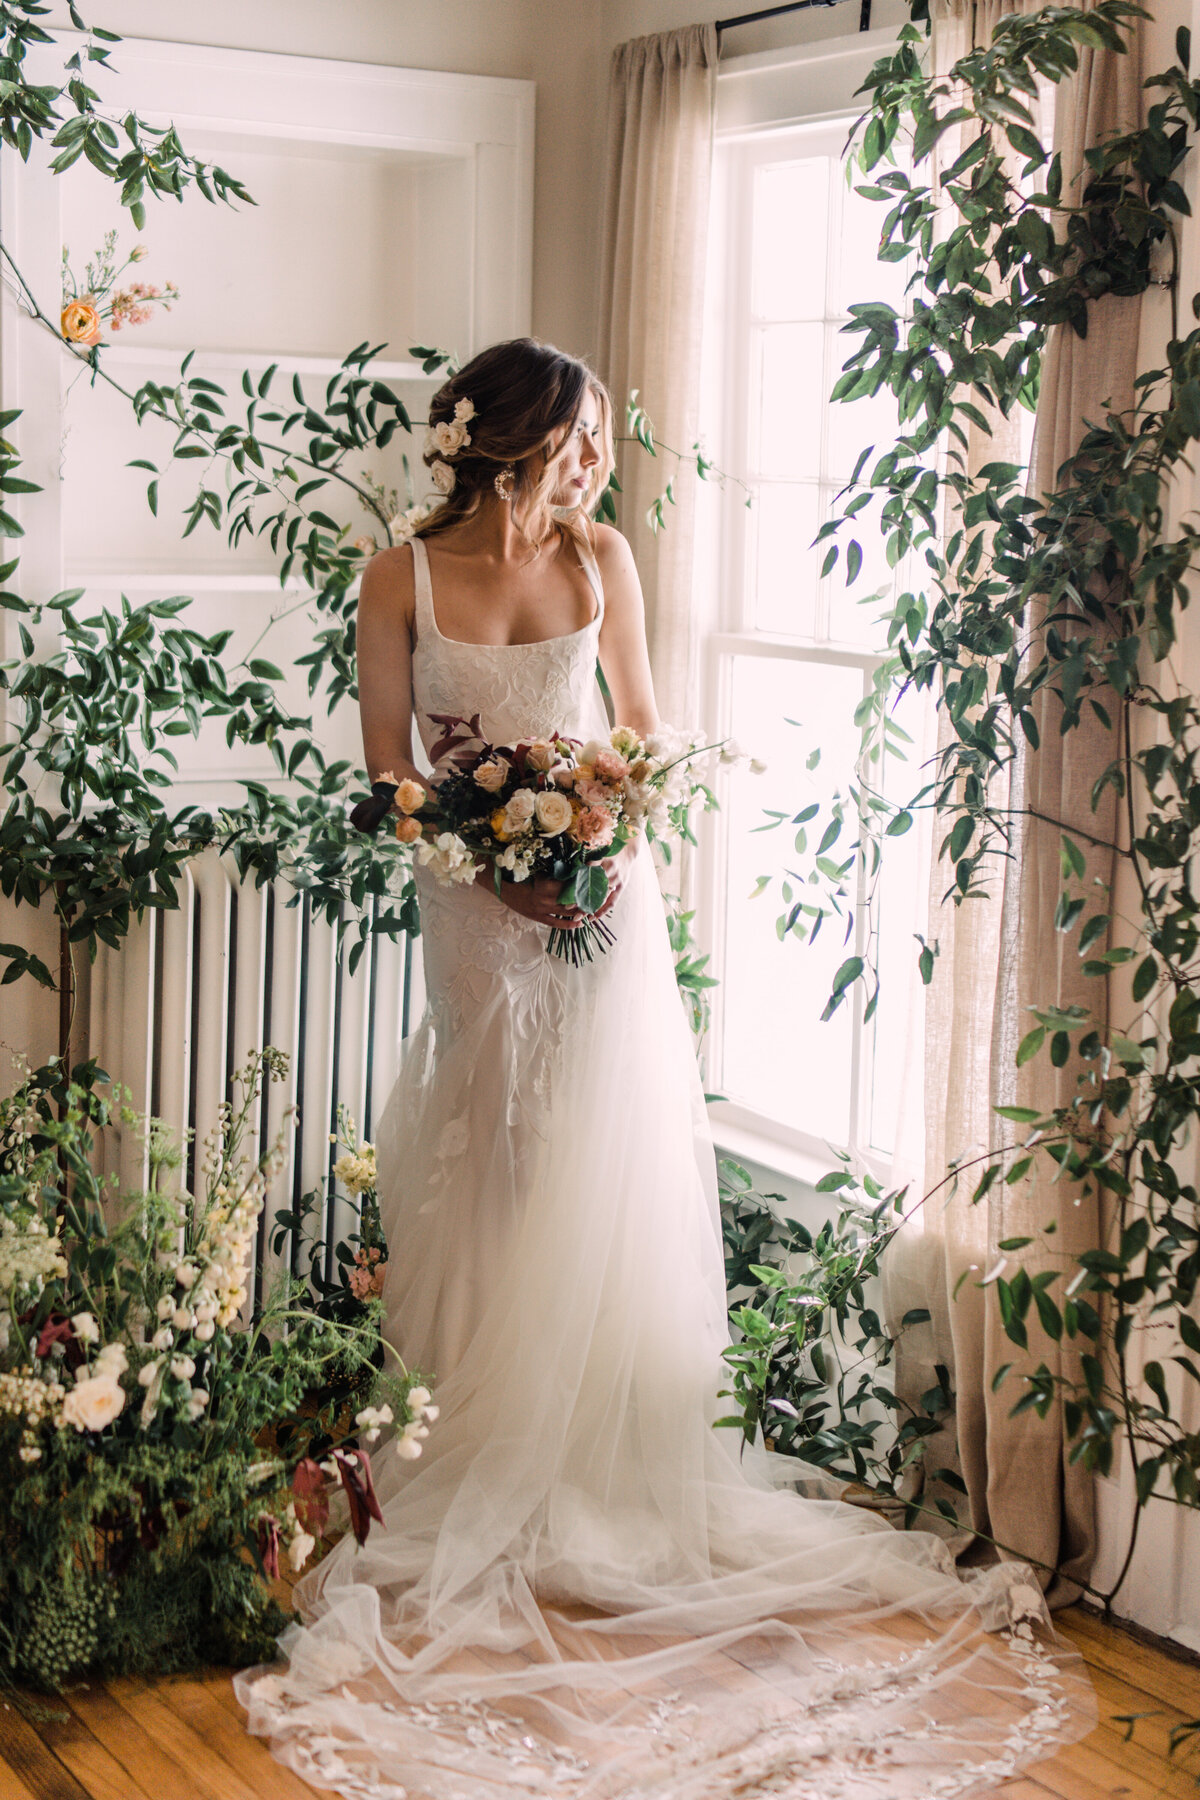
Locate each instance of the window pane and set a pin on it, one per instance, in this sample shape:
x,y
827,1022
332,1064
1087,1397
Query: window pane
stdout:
x,y
785,517
899,914
791,389
778,1058
853,614
853,424
791,230
857,274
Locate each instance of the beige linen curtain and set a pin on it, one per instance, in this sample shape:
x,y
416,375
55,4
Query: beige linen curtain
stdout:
x,y
999,956
659,161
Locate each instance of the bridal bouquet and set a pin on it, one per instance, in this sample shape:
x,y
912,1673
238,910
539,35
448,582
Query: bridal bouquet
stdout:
x,y
553,807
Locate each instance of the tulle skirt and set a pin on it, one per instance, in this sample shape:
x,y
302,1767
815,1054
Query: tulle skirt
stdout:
x,y
583,1588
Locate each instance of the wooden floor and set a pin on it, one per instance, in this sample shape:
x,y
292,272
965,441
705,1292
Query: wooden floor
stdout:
x,y
182,1738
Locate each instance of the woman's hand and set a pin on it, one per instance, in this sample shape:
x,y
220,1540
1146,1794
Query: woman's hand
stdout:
x,y
540,900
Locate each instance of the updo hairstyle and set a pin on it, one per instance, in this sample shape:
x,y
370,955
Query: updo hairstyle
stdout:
x,y
527,396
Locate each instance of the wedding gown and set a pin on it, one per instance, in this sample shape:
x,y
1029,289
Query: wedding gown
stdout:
x,y
583,1589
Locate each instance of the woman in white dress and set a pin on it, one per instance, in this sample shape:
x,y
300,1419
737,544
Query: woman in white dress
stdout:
x,y
582,1588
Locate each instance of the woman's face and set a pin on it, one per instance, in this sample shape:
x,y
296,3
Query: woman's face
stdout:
x,y
578,454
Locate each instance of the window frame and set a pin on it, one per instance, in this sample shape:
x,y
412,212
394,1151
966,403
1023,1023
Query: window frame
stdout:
x,y
763,101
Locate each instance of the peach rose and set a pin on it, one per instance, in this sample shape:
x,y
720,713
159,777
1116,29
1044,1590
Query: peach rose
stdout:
x,y
492,774
407,830
81,322
594,826
541,755
409,796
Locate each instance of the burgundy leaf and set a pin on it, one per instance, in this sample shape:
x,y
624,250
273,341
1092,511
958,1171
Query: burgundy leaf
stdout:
x,y
311,1499
268,1545
354,1467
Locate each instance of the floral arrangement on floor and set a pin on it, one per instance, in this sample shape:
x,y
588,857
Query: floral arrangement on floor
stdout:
x,y
96,304
160,1451
555,807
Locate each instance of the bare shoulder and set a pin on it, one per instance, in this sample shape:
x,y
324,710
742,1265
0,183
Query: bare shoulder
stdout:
x,y
388,584
614,556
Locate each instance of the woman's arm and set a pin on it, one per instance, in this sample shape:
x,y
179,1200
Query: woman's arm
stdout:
x,y
623,653
383,643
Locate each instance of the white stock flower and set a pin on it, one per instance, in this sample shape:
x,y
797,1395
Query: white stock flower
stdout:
x,y
300,1549
625,740
84,1325
163,1338
553,812
206,1330
185,1274
111,1360
443,477
165,1307
182,1368
356,1173
93,1404
447,858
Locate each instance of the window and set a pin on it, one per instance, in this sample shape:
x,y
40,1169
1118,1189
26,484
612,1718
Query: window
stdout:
x,y
791,653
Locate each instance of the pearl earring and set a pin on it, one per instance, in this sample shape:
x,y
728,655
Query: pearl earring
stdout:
x,y
503,477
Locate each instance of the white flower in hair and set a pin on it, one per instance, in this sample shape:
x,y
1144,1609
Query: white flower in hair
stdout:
x,y
443,476
450,436
464,410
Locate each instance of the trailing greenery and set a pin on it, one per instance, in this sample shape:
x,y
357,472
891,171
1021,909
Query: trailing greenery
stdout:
x,y
1043,611
160,1444
811,1353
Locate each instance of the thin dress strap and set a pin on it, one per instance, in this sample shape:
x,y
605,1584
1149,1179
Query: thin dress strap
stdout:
x,y
423,584
591,569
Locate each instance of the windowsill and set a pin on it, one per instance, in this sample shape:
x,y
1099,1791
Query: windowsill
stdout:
x,y
746,1145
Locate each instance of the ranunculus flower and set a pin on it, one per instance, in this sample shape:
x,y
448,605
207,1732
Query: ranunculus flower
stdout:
x,y
554,812
408,830
80,323
609,766
593,793
492,774
594,826
93,1404
409,796
625,740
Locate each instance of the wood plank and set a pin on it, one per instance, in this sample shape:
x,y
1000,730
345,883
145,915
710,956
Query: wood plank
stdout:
x,y
1163,1673
28,1760
129,1742
149,1703
101,1776
225,1734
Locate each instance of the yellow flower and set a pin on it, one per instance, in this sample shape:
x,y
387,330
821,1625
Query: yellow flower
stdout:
x,y
409,796
497,825
80,322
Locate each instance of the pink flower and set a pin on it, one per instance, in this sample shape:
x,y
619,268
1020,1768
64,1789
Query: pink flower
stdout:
x,y
594,826
593,793
610,767
366,1278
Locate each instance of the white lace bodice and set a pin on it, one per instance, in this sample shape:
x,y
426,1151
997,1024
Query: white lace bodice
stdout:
x,y
520,691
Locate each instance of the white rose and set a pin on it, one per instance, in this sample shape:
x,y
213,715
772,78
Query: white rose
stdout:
x,y
541,754
553,813
450,437
519,810
91,1405
464,410
84,1325
442,476
300,1549
491,775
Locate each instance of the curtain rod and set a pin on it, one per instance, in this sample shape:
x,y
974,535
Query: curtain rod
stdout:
x,y
773,12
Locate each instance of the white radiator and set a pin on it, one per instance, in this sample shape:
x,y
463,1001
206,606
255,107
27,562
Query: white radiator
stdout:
x,y
193,990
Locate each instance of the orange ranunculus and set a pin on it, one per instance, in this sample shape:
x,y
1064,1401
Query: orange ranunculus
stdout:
x,y
408,830
497,825
81,323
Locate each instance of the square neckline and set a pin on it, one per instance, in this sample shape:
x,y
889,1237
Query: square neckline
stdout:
x,y
590,567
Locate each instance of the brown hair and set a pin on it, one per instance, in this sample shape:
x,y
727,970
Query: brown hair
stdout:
x,y
526,397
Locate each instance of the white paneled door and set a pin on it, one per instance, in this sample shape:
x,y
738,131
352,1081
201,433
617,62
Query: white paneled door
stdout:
x,y
393,206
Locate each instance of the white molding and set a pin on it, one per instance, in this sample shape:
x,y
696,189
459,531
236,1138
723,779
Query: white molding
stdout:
x,y
801,85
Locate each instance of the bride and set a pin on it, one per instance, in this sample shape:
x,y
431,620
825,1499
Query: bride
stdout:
x,y
582,1588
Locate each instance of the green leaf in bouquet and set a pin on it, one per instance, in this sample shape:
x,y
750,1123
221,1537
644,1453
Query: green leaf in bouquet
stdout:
x,y
590,887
